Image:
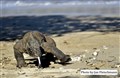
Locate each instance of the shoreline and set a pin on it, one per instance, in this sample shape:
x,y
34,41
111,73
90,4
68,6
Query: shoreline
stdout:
x,y
14,27
64,14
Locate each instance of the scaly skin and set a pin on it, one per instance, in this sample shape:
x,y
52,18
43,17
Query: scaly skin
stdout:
x,y
35,44
30,44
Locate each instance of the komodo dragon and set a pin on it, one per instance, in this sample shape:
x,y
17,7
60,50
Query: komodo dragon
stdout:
x,y
36,44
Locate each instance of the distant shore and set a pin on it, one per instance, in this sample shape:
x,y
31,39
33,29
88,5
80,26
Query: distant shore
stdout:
x,y
110,8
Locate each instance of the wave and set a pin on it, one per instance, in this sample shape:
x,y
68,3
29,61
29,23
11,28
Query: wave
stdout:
x,y
40,3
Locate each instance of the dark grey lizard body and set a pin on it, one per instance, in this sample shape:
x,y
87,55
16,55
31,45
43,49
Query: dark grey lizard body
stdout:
x,y
36,44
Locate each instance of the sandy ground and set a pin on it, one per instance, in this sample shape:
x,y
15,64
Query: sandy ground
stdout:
x,y
81,46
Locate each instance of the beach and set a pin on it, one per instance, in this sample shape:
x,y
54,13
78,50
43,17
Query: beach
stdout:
x,y
87,30
78,36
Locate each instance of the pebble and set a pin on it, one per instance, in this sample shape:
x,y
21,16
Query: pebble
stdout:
x,y
76,58
105,47
51,63
21,73
0,63
95,53
117,65
61,68
86,51
90,61
97,68
52,66
111,58
98,50
83,56
94,58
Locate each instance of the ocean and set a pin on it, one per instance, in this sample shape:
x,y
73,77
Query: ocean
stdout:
x,y
59,7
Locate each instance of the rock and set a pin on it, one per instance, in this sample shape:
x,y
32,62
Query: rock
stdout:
x,y
105,47
86,51
97,68
97,50
65,42
117,65
77,58
21,73
51,62
61,68
94,58
0,63
111,58
96,63
52,66
83,56
91,59
95,53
